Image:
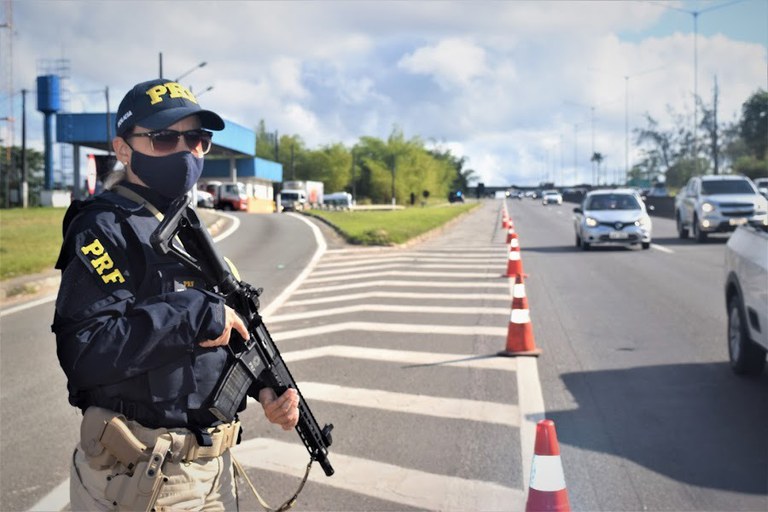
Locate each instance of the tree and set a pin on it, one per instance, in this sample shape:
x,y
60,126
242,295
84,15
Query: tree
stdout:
x,y
373,169
265,142
597,158
463,177
660,142
332,165
293,156
10,167
754,124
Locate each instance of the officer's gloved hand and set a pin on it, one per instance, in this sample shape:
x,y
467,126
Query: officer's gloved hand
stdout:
x,y
231,320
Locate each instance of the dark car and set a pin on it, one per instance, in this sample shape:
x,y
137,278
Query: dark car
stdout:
x,y
456,197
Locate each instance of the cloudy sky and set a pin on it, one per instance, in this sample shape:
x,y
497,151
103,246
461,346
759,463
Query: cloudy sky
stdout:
x,y
524,90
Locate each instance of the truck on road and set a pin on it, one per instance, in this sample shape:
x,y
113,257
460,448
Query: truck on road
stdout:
x,y
293,200
746,298
228,196
299,195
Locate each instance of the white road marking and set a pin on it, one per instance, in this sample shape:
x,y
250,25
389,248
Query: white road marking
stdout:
x,y
407,487
406,357
439,407
301,278
531,403
407,284
57,499
357,251
400,295
405,273
662,248
351,270
232,228
389,308
470,330
27,305
352,263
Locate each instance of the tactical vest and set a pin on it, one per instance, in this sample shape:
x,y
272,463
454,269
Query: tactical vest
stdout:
x,y
175,394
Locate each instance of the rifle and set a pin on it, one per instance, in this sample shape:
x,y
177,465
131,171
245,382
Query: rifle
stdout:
x,y
255,359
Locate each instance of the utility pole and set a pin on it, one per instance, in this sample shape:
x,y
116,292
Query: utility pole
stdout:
x,y
24,184
394,170
575,148
293,168
715,149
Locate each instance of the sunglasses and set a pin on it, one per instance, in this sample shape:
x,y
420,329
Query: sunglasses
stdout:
x,y
165,141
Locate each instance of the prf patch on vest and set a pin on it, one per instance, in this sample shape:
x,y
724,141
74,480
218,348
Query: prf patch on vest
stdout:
x,y
95,251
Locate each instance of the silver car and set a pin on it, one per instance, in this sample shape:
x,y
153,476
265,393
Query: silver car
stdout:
x,y
718,204
615,216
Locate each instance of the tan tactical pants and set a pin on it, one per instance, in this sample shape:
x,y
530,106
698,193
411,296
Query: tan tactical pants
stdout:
x,y
207,484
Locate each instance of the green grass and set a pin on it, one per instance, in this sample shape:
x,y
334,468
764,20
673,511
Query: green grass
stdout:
x,y
388,227
30,240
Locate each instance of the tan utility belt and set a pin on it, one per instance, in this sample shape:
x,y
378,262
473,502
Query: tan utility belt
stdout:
x,y
105,433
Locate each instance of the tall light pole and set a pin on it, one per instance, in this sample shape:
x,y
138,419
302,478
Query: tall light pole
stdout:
x,y
575,153
592,118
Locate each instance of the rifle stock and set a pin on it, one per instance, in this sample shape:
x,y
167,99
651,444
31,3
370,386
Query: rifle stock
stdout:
x,y
255,359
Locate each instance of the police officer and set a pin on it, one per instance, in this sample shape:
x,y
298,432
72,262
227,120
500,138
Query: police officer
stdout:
x,y
140,338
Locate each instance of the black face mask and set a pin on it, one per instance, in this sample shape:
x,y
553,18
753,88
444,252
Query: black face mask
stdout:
x,y
171,176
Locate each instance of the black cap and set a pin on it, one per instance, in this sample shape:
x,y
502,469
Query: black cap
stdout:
x,y
158,104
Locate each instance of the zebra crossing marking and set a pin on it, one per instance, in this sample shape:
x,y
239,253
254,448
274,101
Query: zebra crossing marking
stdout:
x,y
395,484
389,308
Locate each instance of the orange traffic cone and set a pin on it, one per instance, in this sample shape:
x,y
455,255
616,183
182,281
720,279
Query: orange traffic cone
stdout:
x,y
511,233
514,261
547,492
505,218
520,340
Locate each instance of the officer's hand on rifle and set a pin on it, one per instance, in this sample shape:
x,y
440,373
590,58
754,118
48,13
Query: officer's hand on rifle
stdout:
x,y
231,320
283,411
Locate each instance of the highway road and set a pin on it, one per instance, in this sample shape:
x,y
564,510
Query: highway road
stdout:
x,y
397,348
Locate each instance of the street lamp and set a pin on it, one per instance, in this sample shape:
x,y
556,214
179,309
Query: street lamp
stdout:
x,y
592,117
198,94
575,153
202,64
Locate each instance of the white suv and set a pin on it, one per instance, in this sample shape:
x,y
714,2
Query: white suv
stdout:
x,y
711,204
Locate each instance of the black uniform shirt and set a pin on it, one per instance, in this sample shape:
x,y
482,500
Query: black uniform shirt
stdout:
x,y
128,321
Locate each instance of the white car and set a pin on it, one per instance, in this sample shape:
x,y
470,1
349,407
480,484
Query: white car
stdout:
x,y
616,216
762,186
746,298
551,197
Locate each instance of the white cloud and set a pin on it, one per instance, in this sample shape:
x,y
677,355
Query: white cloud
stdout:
x,y
503,82
452,62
